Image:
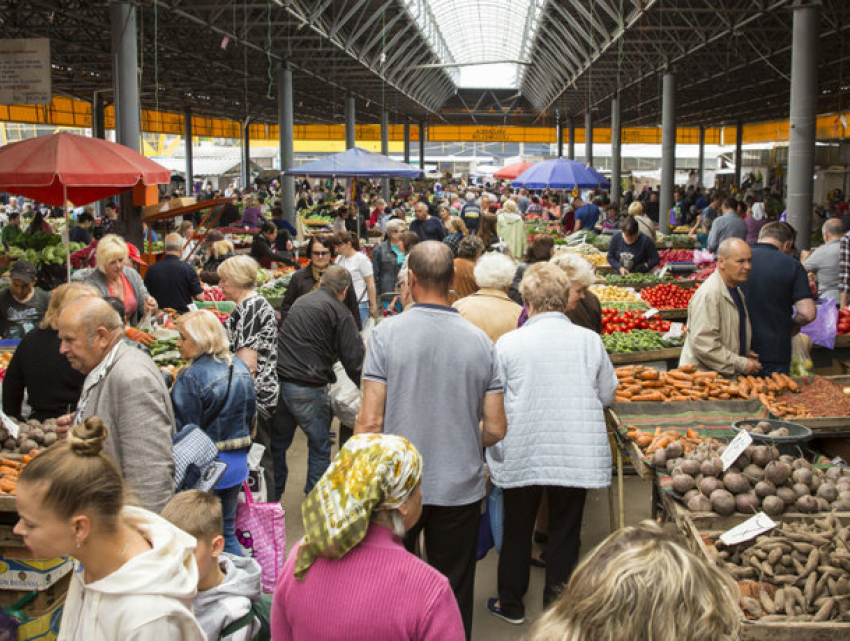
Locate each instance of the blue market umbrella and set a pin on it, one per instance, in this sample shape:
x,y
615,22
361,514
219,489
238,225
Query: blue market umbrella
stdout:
x,y
561,173
355,162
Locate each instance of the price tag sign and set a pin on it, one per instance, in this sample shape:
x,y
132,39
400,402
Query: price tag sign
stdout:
x,y
664,270
650,312
9,424
675,331
735,448
749,529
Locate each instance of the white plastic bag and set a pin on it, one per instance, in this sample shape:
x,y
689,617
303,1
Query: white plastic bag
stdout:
x,y
366,332
344,397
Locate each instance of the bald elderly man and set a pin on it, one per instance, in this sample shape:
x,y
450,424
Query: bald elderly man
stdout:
x,y
719,331
125,390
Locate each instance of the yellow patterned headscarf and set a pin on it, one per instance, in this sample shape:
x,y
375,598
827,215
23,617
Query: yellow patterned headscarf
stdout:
x,y
371,472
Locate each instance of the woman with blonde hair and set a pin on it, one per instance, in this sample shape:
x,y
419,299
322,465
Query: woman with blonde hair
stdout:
x,y
457,232
216,393
252,332
112,278
134,573
39,369
645,224
642,583
583,308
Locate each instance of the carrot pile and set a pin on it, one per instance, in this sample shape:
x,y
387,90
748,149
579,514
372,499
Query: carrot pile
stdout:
x,y
639,383
651,441
10,472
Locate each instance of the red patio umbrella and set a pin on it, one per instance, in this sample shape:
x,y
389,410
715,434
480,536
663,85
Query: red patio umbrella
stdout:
x,y
509,172
61,167
64,166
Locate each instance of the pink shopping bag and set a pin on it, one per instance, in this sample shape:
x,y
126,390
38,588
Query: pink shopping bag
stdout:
x,y
261,530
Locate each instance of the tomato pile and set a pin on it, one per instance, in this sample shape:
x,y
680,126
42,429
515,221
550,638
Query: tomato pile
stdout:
x,y
844,320
676,256
213,293
667,296
624,322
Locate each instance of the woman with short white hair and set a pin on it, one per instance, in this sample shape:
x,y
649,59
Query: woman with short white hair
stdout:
x,y
584,308
490,308
216,393
113,278
556,440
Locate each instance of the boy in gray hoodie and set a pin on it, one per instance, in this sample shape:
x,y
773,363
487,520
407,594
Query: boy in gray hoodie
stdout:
x,y
227,584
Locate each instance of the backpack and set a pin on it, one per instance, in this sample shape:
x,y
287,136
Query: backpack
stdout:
x,y
261,610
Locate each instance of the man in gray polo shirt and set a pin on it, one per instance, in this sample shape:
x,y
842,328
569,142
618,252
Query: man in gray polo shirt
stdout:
x,y
729,225
823,262
433,378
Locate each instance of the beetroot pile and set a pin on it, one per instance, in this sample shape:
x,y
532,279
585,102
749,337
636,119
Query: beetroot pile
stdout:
x,y
760,479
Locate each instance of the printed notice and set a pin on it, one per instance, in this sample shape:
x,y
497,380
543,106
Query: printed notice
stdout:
x,y
25,71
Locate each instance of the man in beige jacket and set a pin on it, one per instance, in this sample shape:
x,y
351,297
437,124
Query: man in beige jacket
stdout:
x,y
490,308
719,329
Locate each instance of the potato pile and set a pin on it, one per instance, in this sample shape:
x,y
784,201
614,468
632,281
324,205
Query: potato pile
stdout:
x,y
802,570
760,479
32,435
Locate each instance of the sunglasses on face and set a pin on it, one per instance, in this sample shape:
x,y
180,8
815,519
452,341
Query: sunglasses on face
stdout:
x,y
319,254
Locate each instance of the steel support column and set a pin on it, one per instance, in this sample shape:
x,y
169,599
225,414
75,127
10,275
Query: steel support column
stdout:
x,y
571,144
588,138
701,158
739,152
407,141
286,120
616,151
246,154
804,96
422,134
125,74
559,135
188,151
385,149
668,151
98,128
349,122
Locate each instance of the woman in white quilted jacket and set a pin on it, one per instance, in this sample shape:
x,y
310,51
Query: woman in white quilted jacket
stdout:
x,y
558,379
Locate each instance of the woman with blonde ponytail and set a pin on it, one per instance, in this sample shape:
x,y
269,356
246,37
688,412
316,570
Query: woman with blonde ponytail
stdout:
x,y
134,573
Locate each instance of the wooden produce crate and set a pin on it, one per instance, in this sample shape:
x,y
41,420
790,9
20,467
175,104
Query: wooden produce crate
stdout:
x,y
699,534
651,356
708,418
673,314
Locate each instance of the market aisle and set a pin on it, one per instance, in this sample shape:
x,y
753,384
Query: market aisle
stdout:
x,y
486,627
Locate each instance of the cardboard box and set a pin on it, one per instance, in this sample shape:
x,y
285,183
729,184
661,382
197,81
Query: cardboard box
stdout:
x,y
43,601
145,195
31,574
174,203
44,627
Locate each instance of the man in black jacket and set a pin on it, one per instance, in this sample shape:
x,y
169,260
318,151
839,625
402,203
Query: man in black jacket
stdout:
x,y
318,330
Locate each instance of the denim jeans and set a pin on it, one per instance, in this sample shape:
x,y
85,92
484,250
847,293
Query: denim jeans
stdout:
x,y
308,407
228,498
364,312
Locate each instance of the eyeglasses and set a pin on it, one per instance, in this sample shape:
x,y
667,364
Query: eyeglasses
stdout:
x,y
321,254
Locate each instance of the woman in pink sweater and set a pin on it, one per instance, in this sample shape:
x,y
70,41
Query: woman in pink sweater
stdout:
x,y
350,577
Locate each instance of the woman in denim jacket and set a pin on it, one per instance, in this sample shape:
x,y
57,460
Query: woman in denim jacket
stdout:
x,y
216,392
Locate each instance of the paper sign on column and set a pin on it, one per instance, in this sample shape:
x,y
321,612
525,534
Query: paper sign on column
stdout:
x,y
749,529
735,448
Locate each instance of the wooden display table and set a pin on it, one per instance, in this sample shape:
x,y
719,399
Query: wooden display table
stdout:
x,y
671,355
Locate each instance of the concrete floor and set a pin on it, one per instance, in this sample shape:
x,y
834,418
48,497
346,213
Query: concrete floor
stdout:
x,y
486,627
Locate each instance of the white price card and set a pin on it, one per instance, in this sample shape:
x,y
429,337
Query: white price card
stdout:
x,y
663,272
749,529
735,448
650,312
9,424
676,330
